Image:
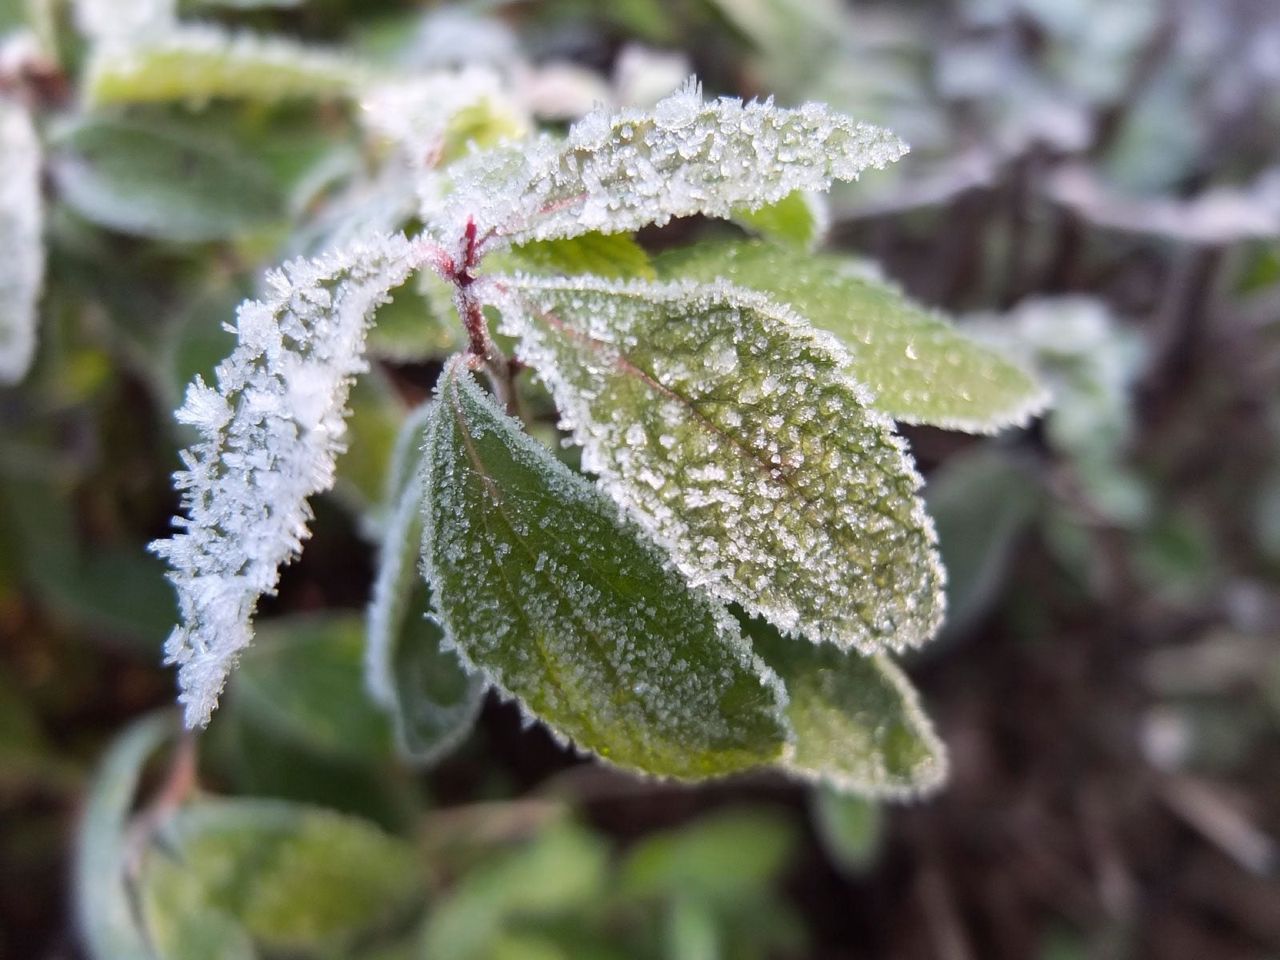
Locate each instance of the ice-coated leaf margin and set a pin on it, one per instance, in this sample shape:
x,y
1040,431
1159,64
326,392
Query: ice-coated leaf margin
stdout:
x,y
431,700
620,171
542,585
735,433
920,367
269,436
22,268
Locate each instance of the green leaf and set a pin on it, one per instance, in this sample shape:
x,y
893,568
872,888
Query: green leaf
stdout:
x,y
857,720
620,171
432,701
797,220
851,827
162,181
723,858
919,367
301,880
692,931
559,870
613,255
102,897
417,323
737,436
542,586
302,679
197,63
376,416
980,502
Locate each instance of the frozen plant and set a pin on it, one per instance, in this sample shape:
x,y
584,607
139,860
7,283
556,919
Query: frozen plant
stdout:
x,y
726,592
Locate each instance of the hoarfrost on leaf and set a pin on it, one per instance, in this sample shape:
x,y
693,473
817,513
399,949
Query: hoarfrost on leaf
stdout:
x,y
920,368
22,270
270,432
736,434
618,172
858,722
543,586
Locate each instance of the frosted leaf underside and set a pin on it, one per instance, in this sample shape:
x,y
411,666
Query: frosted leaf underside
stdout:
x,y
22,266
619,171
920,368
857,720
540,584
269,435
431,699
736,435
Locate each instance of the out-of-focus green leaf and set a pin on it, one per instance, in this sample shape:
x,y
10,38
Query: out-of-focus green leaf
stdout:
x,y
302,881
737,435
545,588
850,827
377,414
857,720
419,322
159,180
561,869
798,220
980,503
196,64
302,679
692,930
722,858
919,367
613,255
108,924
432,701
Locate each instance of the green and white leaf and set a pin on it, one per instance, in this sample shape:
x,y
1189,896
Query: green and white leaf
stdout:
x,y
196,63
615,256
302,881
920,367
269,437
123,21
858,722
21,239
618,172
432,701
161,180
103,899
738,436
798,220
540,584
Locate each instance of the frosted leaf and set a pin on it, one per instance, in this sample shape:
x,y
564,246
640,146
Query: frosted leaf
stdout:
x,y
431,699
614,255
858,722
621,171
270,432
920,367
122,21
737,435
799,220
540,584
196,63
21,219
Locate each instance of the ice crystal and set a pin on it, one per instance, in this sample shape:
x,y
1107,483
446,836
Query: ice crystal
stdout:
x,y
269,434
735,432
22,269
621,171
543,586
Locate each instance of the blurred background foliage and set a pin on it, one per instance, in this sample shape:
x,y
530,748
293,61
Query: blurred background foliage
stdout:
x,y
1095,184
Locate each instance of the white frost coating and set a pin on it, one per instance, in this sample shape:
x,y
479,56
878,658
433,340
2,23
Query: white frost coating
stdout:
x,y
735,433
112,21
621,171
269,435
204,61
22,267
